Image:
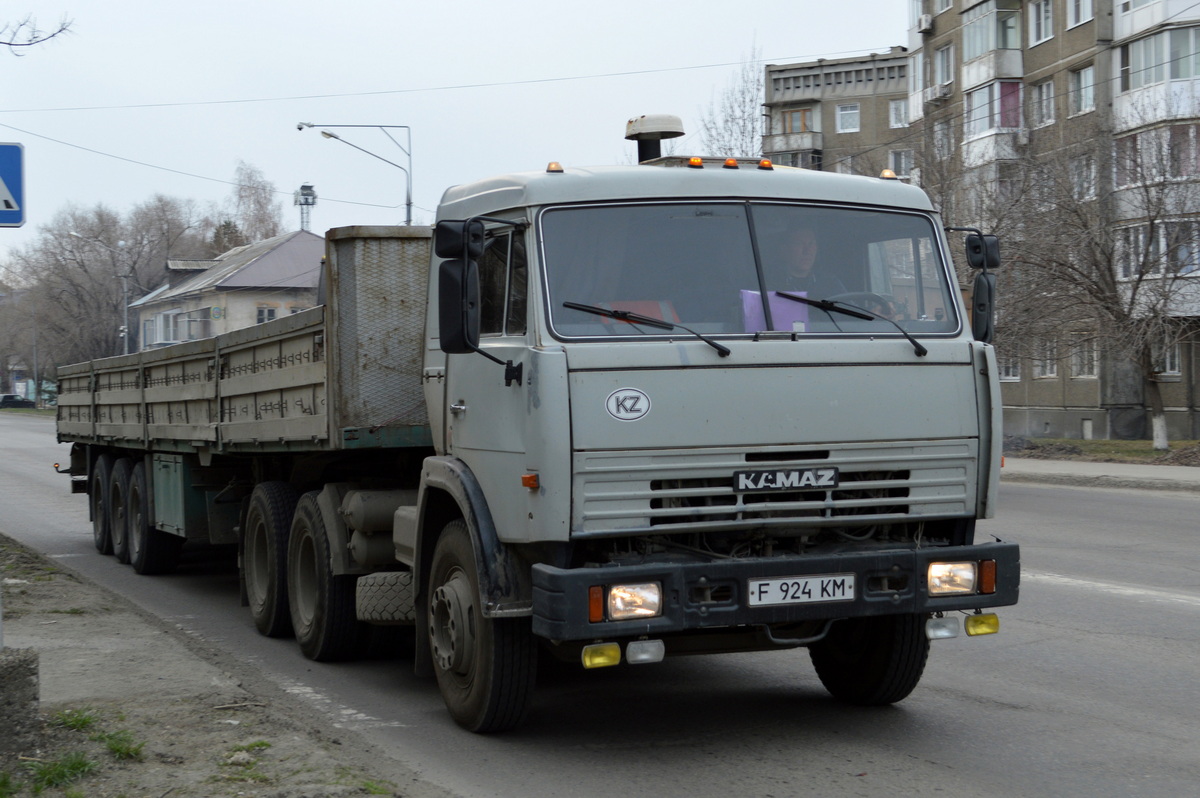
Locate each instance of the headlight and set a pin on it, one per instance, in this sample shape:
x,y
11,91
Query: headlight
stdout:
x,y
951,578
634,601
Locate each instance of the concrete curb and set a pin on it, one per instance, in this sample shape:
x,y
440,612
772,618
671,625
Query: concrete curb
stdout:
x,y
19,694
1103,481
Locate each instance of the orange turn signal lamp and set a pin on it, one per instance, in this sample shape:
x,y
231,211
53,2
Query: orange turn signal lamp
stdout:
x,y
530,481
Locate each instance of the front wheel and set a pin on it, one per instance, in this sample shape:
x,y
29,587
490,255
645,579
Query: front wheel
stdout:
x,y
485,666
872,661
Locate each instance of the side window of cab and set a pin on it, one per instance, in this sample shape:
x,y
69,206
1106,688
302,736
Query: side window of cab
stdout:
x,y
503,282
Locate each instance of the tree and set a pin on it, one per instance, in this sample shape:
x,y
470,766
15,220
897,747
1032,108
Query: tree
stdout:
x,y
732,125
1110,264
26,33
256,212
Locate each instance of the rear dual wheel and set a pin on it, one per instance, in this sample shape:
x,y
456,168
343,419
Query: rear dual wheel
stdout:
x,y
118,508
151,551
101,524
322,605
264,556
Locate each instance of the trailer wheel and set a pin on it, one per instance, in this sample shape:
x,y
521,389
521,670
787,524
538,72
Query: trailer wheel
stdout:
x,y
151,551
101,474
485,666
118,508
264,556
322,605
872,661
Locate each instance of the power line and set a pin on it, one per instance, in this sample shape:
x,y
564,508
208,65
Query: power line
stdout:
x,y
418,90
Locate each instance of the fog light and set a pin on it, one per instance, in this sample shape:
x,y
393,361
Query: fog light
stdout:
x,y
985,624
634,601
601,655
641,652
941,628
951,578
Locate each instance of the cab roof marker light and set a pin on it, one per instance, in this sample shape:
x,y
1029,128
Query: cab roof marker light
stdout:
x,y
554,168
731,163
888,174
695,162
765,163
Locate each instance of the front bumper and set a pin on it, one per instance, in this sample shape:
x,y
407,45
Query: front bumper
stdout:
x,y
713,594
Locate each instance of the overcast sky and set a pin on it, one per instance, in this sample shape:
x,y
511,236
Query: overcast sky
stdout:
x,y
149,97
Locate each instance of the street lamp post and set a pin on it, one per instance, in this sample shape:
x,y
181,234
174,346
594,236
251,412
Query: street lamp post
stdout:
x,y
124,285
385,128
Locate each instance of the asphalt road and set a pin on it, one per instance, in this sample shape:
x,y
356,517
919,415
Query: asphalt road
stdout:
x,y
1089,689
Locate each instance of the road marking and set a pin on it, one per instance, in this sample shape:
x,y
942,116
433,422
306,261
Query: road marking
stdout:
x,y
1129,591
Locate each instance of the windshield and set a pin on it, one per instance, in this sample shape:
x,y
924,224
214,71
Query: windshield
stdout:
x,y
718,268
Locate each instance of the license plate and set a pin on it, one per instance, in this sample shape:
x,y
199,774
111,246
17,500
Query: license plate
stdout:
x,y
785,479
801,589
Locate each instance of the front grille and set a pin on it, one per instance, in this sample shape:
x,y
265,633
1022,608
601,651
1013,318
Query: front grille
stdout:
x,y
673,491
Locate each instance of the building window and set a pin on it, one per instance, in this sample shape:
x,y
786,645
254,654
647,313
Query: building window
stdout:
x,y
847,118
1083,90
1078,12
943,139
1010,368
901,162
995,25
1041,22
1083,177
265,314
1083,357
943,66
897,113
1183,247
942,5
1183,54
1139,254
1167,360
1042,103
1142,62
1129,5
1045,364
995,106
916,75
798,120
804,159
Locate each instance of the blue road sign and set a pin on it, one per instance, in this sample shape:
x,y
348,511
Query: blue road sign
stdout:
x,y
12,185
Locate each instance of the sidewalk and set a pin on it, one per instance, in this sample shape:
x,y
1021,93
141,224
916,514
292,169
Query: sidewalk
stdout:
x,y
1101,475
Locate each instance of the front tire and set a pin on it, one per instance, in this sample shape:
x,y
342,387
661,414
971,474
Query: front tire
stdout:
x,y
872,661
264,556
485,667
322,605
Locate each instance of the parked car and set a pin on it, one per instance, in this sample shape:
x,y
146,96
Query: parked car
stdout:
x,y
12,400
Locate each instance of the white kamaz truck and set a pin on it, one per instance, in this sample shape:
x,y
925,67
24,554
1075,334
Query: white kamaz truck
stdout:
x,y
611,415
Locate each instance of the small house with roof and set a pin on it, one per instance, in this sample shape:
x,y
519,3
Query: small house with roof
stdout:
x,y
247,285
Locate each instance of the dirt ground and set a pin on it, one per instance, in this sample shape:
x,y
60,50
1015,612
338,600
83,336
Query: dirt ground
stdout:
x,y
162,716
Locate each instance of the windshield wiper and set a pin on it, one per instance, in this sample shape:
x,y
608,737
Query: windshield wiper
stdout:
x,y
629,317
828,305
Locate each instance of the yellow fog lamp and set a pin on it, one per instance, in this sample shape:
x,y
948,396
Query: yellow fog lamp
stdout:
x,y
951,578
984,623
627,602
601,655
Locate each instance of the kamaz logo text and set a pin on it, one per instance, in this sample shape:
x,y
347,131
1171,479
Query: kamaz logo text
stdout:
x,y
785,479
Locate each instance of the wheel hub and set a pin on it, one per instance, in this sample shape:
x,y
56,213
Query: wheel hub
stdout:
x,y
452,625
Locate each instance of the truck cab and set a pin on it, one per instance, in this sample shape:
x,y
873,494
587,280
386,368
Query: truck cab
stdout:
x,y
708,408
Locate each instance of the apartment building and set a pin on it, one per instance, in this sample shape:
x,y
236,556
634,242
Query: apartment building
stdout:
x,y
1072,129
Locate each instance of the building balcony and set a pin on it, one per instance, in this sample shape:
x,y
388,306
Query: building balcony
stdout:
x,y
792,142
992,66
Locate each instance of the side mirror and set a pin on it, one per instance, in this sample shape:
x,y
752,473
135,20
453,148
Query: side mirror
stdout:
x,y
458,239
983,307
458,306
983,251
